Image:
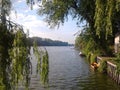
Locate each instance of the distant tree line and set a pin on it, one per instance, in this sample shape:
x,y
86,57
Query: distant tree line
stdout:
x,y
47,42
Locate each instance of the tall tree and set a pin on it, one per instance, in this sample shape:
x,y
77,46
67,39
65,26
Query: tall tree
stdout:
x,y
99,14
105,16
13,49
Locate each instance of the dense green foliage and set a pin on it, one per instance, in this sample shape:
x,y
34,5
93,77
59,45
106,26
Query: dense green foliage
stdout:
x,y
42,64
97,38
117,62
45,69
15,64
21,66
92,58
100,16
47,42
14,51
105,16
103,66
14,56
99,35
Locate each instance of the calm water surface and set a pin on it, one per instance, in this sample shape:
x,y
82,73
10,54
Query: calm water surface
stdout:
x,y
69,71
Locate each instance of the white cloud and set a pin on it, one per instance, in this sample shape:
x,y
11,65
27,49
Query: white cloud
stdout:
x,y
27,20
37,27
36,7
19,1
30,22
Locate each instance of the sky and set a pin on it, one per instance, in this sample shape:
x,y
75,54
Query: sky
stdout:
x,y
29,19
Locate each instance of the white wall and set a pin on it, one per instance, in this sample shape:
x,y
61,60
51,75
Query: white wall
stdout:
x,y
117,41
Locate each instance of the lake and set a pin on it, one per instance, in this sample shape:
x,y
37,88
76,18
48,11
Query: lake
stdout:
x,y
69,71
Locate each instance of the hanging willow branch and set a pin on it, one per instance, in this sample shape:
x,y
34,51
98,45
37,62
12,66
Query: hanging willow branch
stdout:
x,y
104,14
110,14
42,64
19,54
118,5
99,16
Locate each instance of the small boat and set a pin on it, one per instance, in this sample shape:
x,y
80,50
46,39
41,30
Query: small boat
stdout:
x,y
81,54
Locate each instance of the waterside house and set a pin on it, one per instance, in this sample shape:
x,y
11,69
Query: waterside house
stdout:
x,y
117,43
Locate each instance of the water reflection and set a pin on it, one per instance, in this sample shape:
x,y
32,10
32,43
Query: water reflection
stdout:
x,y
68,72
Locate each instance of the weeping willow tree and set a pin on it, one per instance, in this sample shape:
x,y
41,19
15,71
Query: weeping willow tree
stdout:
x,y
20,62
105,16
14,51
45,69
15,64
42,64
5,44
100,16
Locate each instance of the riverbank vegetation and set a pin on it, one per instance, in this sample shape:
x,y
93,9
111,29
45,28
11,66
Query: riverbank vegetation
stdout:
x,y
98,38
101,19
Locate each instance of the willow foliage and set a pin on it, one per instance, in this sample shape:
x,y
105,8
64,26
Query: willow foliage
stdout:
x,y
87,43
118,5
19,54
45,69
103,66
56,11
109,11
42,64
98,13
15,64
104,14
99,16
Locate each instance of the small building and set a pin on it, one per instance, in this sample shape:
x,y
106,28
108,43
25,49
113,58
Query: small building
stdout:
x,y
117,43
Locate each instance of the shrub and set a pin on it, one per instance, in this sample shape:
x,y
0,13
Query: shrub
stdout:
x,y
93,58
103,66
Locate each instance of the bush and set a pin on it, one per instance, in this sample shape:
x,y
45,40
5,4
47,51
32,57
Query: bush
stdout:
x,y
103,66
92,58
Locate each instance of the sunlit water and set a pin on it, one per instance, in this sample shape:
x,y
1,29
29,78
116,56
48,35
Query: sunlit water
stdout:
x,y
69,71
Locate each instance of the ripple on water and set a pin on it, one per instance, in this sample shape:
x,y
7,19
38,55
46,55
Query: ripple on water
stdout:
x,y
68,71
